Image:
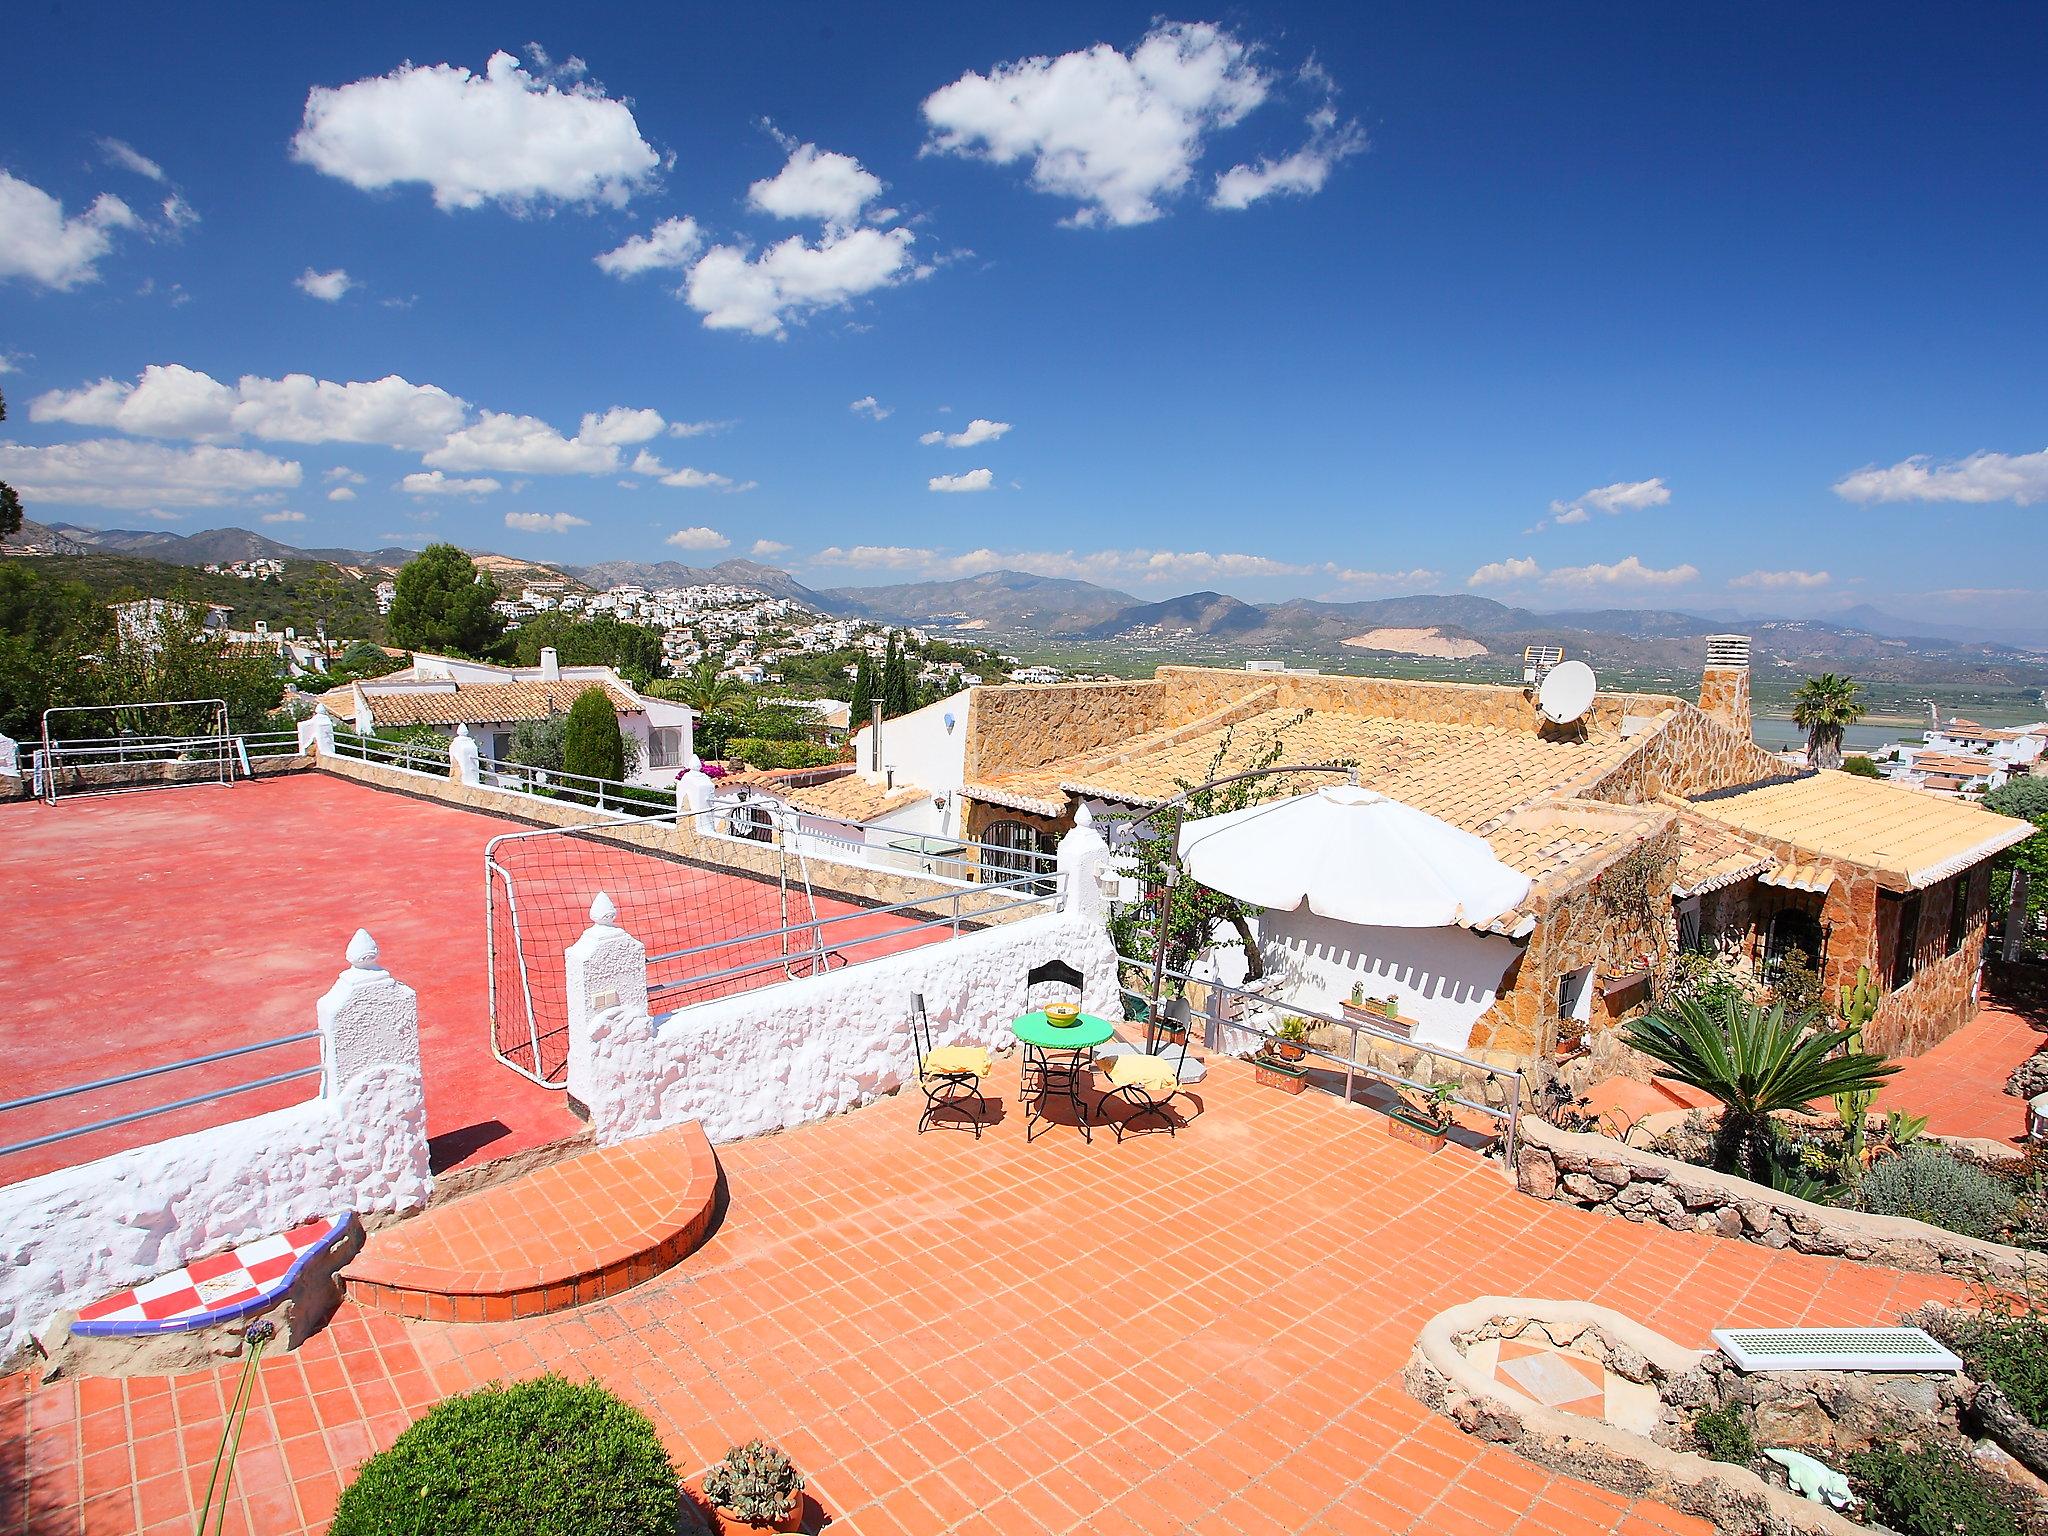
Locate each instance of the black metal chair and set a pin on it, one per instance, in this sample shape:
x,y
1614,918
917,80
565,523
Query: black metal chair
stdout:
x,y
950,1076
1045,1073
1149,1080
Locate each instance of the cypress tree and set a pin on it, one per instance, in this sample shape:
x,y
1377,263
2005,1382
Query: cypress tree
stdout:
x,y
862,705
592,744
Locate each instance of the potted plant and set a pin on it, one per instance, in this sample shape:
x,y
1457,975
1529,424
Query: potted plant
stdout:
x,y
1423,1117
1170,1030
1290,1039
755,1490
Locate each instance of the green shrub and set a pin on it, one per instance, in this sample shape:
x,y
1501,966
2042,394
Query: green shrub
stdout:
x,y
537,1458
758,752
1935,1186
592,743
755,1482
1938,1491
2006,1346
540,743
1723,1434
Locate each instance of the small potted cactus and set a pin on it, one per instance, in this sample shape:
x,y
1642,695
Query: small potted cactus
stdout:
x,y
755,1490
1290,1039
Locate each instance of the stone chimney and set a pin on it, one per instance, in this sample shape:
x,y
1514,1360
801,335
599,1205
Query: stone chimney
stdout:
x,y
550,665
1724,686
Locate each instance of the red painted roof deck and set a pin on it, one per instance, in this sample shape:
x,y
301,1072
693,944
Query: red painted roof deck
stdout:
x,y
147,928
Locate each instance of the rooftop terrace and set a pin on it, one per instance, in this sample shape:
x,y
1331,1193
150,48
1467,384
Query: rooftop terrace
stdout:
x,y
1202,1333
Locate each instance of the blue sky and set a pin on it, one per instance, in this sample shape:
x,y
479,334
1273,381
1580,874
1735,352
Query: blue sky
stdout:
x,y
1594,305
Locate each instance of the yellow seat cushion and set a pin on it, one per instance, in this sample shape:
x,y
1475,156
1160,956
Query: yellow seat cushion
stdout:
x,y
957,1061
1154,1074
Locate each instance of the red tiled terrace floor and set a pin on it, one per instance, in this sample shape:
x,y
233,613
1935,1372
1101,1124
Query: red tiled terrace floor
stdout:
x,y
1960,1084
1199,1334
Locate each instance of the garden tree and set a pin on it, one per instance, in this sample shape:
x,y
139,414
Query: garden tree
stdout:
x,y
899,687
10,504
1824,707
592,743
705,689
600,641
327,597
2026,799
47,626
1758,1062
541,743
1862,768
1195,912
443,603
862,706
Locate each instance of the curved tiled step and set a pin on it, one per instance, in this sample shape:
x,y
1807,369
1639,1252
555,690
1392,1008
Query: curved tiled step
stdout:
x,y
575,1231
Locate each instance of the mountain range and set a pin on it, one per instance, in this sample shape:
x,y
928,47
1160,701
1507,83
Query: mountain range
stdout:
x,y
1022,607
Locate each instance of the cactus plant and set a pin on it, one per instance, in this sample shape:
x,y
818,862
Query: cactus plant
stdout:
x,y
755,1482
1858,1007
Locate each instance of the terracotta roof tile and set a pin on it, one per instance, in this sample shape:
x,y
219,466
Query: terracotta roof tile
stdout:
x,y
468,702
853,799
1711,855
1911,838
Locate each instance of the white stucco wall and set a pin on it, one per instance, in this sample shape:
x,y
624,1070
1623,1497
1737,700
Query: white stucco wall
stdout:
x,y
70,1237
1446,978
925,753
798,1051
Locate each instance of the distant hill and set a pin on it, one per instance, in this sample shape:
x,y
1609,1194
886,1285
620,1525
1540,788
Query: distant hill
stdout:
x,y
996,600
219,545
731,573
1197,613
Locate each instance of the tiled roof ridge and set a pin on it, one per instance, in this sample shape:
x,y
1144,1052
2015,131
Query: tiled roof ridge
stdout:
x,y
1709,796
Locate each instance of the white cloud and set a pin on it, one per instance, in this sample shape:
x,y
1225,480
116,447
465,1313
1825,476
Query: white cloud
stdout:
x,y
703,479
791,278
1779,581
622,424
174,401
1608,500
980,430
671,243
698,538
38,243
1303,173
343,472
326,286
768,549
432,482
544,522
893,557
2021,478
1118,133
284,517
1626,572
870,407
1418,577
971,480
179,216
697,428
816,184
341,493
159,515
503,136
113,472
527,445
129,158
1516,568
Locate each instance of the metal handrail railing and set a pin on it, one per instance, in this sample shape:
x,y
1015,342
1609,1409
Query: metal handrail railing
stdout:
x,y
119,1078
609,795
813,931
1510,1114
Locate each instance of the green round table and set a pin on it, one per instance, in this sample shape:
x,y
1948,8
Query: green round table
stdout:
x,y
1043,1041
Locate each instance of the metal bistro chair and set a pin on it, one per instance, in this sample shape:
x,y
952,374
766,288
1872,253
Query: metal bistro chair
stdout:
x,y
1043,1074
949,1075
1150,1080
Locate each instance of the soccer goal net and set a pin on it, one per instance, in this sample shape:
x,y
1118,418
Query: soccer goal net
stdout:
x,y
112,749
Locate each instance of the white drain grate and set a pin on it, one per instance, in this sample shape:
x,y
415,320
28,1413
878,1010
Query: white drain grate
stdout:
x,y
1835,1349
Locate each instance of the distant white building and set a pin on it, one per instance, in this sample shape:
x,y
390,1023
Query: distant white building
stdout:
x,y
1962,757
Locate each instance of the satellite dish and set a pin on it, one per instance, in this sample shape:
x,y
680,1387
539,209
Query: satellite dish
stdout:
x,y
1567,692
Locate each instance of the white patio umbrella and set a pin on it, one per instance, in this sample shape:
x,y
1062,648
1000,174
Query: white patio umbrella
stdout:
x,y
1354,855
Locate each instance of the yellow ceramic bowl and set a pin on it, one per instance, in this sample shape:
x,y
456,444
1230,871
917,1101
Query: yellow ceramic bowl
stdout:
x,y
1062,1015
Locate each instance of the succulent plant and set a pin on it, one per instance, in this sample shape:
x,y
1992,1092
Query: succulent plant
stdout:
x,y
755,1482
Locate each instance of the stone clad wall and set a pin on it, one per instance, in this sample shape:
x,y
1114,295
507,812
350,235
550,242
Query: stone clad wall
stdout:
x,y
1598,1172
1689,753
1193,691
1022,725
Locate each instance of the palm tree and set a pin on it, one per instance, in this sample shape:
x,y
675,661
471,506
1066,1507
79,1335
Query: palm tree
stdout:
x,y
1824,707
705,691
1757,1062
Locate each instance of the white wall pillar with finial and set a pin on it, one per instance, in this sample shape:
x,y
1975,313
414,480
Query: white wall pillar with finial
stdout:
x,y
368,1018
1083,862
694,793
316,733
464,760
606,970
10,757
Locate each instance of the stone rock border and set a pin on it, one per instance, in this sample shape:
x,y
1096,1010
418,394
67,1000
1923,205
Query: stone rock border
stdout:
x,y
1440,1376
1598,1172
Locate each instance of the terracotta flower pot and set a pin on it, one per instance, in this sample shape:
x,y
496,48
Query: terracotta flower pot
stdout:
x,y
1418,1132
1287,1050
725,1523
1273,1074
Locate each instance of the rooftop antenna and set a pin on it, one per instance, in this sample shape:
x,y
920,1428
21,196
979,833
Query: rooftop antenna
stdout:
x,y
1566,692
1537,660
